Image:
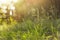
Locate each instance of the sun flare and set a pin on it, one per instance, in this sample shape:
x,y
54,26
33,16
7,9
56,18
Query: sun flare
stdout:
x,y
7,1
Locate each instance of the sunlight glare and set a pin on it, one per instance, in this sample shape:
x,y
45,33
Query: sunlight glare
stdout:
x,y
15,1
10,12
7,1
4,11
4,7
3,1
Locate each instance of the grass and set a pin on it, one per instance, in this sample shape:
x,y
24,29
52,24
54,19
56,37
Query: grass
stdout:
x,y
28,30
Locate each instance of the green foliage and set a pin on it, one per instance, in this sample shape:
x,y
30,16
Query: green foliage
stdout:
x,y
29,30
37,24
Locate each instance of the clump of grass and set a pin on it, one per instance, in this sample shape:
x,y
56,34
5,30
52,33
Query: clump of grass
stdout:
x,y
29,30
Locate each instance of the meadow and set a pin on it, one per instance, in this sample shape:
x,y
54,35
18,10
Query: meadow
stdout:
x,y
34,21
31,28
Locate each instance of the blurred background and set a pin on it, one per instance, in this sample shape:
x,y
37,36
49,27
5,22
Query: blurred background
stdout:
x,y
29,19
